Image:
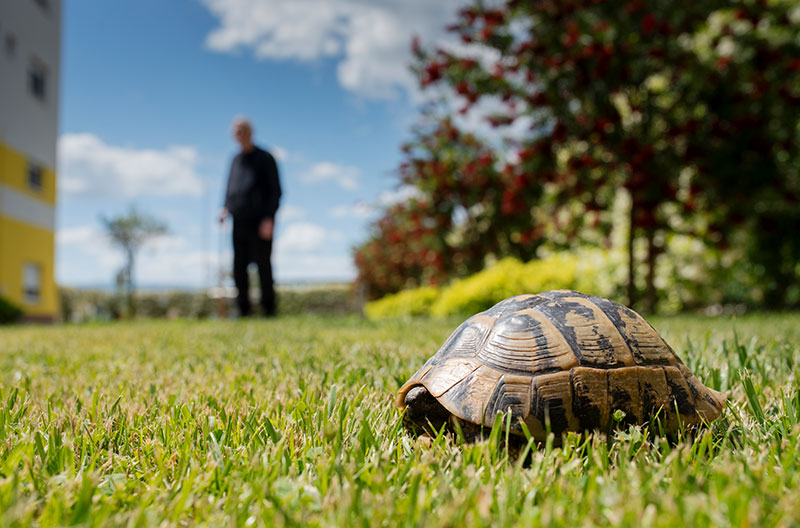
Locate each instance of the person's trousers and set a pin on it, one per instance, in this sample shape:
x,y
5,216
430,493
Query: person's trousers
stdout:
x,y
249,247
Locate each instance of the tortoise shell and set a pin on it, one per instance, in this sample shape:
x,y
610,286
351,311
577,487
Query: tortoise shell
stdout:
x,y
563,360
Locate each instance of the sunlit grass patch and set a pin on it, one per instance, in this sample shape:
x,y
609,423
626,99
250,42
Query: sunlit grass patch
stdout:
x,y
292,422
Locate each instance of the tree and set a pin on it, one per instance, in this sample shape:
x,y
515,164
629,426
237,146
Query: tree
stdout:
x,y
129,232
456,218
664,101
690,110
745,152
605,87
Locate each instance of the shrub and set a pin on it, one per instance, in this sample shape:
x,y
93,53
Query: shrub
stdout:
x,y
79,305
506,278
588,271
9,312
585,271
325,299
416,301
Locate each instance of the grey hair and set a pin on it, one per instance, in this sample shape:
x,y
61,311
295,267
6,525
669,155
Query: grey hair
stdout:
x,y
241,121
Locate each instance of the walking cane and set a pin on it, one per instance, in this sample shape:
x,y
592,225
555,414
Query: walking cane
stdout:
x,y
222,300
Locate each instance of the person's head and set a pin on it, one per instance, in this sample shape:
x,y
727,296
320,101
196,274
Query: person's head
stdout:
x,y
243,132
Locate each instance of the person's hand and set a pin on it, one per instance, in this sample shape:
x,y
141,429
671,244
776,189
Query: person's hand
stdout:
x,y
265,228
223,214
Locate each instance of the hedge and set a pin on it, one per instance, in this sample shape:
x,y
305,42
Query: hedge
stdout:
x,y
587,271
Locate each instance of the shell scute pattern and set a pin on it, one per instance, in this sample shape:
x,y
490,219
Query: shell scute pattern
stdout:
x,y
443,376
514,304
653,392
647,347
511,394
594,339
682,399
468,398
625,395
524,342
562,360
552,405
590,395
464,341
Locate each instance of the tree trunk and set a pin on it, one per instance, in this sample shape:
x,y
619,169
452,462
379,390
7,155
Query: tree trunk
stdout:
x,y
131,304
651,298
631,261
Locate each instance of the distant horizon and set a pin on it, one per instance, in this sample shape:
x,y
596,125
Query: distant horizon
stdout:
x,y
140,288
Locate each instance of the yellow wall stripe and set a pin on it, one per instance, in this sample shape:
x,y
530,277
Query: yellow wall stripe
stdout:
x,y
14,174
23,244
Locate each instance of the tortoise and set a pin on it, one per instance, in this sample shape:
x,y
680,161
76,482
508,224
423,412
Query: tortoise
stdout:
x,y
556,361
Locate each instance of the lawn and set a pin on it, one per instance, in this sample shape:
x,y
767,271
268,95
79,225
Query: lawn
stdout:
x,y
291,422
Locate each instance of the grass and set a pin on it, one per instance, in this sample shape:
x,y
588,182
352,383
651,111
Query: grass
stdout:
x,y
291,422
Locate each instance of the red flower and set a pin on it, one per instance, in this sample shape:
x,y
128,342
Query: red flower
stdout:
x,y
572,34
415,46
649,24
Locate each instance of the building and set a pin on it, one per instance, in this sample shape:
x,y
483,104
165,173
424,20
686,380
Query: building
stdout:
x,y
30,45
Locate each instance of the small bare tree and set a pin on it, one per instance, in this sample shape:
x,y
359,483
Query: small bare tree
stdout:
x,y
129,232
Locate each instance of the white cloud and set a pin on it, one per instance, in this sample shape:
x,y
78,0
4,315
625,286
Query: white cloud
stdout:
x,y
346,176
398,195
99,259
314,267
367,210
370,210
370,38
291,212
303,251
78,235
280,153
168,260
476,120
87,165
166,242
180,266
301,237
306,251
85,256
356,210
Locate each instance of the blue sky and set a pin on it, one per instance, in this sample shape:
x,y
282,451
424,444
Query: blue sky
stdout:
x,y
148,91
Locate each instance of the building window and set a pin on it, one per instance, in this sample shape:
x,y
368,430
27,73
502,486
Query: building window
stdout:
x,y
32,283
11,44
37,80
35,176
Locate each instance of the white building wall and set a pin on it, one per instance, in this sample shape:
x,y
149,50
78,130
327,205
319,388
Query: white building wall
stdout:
x,y
30,31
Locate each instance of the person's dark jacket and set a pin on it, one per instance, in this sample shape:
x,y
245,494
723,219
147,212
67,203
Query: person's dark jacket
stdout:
x,y
254,189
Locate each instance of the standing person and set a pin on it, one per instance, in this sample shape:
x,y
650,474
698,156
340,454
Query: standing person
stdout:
x,y
252,198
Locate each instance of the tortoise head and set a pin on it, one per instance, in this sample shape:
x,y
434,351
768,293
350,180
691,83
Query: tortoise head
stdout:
x,y
424,414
